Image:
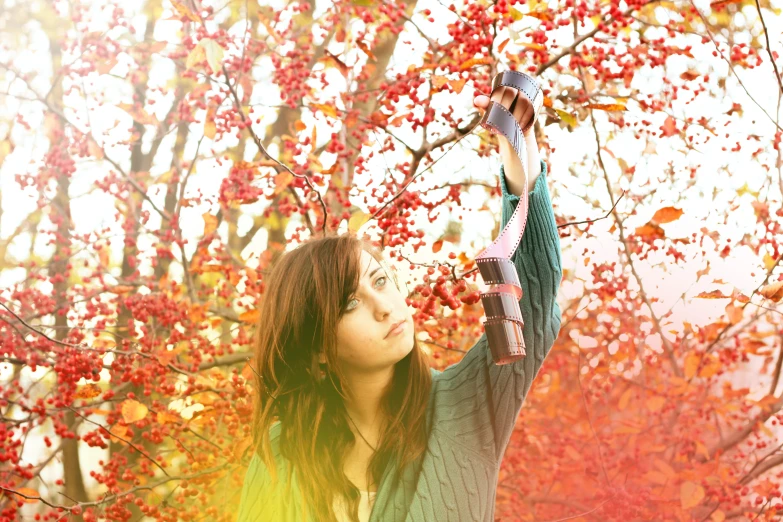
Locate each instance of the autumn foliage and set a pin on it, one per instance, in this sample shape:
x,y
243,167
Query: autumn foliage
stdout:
x,y
158,156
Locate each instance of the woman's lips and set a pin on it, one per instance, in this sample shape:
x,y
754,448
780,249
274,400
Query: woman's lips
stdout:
x,y
398,328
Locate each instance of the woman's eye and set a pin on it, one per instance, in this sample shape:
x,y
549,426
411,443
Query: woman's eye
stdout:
x,y
348,308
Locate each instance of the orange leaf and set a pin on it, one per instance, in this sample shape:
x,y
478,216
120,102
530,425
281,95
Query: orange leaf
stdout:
x,y
715,294
210,129
133,411
650,230
773,292
690,75
544,16
756,347
438,82
669,127
299,125
485,60
88,391
503,45
607,106
691,364
625,398
210,223
327,110
547,101
734,312
436,246
457,85
710,367
118,433
655,403
366,49
251,316
164,417
690,494
282,181
666,215
27,492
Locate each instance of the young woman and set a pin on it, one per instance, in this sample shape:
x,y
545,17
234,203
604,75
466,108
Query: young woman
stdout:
x,y
350,422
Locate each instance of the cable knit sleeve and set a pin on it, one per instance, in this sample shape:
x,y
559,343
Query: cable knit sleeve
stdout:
x,y
477,402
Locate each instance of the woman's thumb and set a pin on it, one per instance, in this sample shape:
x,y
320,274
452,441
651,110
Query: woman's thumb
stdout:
x,y
481,101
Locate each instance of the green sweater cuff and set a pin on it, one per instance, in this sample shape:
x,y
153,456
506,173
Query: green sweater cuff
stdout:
x,y
541,228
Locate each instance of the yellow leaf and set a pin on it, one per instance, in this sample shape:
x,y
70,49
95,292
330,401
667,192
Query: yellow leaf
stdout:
x,y
515,14
769,261
251,316
773,292
358,218
691,364
690,494
213,53
745,189
666,215
195,57
185,11
210,223
133,411
570,119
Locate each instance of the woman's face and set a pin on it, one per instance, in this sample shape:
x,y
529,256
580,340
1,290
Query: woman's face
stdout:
x,y
363,340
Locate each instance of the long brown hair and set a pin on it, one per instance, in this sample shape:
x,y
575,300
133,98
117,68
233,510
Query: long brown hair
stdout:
x,y
304,298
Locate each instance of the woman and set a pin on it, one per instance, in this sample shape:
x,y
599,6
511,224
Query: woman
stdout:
x,y
351,423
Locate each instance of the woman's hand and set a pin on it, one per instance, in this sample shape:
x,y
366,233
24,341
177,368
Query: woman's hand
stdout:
x,y
523,112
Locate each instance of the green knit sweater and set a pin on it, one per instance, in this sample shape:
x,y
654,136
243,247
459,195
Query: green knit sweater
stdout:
x,y
473,405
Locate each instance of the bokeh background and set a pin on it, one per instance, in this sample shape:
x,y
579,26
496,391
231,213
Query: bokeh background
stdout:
x,y
156,157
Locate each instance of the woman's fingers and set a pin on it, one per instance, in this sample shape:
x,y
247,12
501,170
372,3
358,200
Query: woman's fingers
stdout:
x,y
508,97
481,101
497,96
527,115
521,107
